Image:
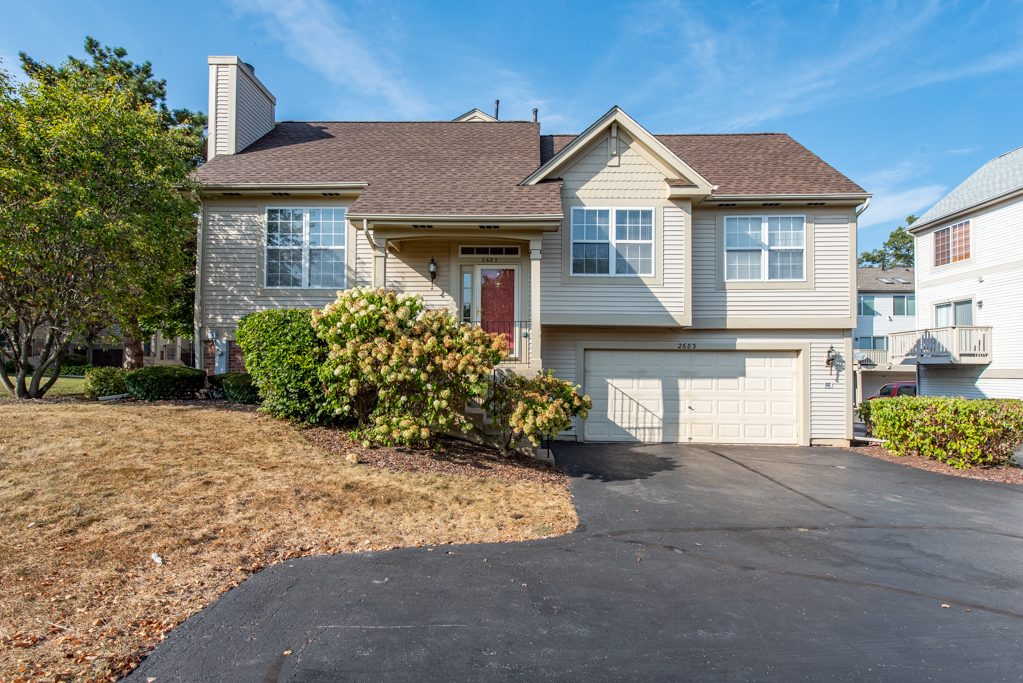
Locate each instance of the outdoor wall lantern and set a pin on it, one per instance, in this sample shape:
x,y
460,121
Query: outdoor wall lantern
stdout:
x,y
433,270
832,356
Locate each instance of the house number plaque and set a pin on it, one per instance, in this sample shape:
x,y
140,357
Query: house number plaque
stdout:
x,y
687,346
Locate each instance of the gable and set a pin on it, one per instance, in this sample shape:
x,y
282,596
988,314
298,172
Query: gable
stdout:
x,y
614,126
592,174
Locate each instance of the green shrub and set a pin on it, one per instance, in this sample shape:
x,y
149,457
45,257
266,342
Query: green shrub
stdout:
x,y
237,387
104,382
283,356
403,372
11,367
863,412
533,408
961,432
161,382
73,359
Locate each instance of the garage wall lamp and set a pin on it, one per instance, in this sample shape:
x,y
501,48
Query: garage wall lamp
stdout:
x,y
832,356
433,270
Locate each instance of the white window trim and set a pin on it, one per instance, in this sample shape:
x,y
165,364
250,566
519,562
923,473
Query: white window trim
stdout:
x,y
859,305
305,247
951,243
612,242
907,298
765,250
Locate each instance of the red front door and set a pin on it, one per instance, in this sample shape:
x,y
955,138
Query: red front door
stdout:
x,y
497,302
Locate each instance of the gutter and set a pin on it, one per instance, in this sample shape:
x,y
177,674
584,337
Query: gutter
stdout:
x,y
283,186
918,226
787,197
521,218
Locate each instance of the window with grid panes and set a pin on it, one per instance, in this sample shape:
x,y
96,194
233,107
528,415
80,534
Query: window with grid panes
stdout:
x,y
305,248
765,248
952,244
612,241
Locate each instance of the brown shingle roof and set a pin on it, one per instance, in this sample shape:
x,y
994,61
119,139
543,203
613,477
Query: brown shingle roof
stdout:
x,y
447,168
756,164
413,168
867,279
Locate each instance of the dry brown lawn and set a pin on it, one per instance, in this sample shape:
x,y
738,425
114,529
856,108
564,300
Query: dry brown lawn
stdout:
x,y
89,492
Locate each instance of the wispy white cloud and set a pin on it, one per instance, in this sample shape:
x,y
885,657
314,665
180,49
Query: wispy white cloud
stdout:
x,y
887,206
964,150
322,37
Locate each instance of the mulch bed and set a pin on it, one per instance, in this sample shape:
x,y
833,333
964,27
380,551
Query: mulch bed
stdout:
x,y
1005,475
454,457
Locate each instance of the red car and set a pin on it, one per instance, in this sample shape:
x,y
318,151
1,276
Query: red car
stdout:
x,y
895,389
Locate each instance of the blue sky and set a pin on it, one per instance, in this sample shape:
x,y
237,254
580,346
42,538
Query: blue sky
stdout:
x,y
906,98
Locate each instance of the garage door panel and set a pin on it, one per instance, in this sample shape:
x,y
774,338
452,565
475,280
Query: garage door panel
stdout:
x,y
714,397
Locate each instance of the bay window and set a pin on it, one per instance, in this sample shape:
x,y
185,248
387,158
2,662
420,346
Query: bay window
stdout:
x,y
305,248
765,248
627,249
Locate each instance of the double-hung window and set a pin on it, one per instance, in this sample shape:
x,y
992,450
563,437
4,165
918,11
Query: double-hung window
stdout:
x,y
765,248
865,305
952,244
904,304
305,248
612,242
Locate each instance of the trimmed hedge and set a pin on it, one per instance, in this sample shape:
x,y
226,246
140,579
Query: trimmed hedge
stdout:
x,y
104,382
160,382
960,432
237,387
283,356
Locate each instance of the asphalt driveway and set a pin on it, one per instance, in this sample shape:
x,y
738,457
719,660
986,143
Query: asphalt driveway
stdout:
x,y
691,563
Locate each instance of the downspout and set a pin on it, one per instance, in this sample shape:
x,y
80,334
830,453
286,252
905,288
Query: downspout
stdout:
x,y
365,231
863,208
197,345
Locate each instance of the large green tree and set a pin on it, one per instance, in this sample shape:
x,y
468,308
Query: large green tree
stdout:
x,y
91,201
898,249
164,300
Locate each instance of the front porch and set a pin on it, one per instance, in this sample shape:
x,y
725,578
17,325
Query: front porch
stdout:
x,y
489,276
959,345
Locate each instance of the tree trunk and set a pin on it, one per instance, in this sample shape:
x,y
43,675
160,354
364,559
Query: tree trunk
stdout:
x,y
133,356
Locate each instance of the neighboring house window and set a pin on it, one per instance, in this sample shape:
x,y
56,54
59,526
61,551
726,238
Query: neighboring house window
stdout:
x,y
765,248
904,304
952,244
625,250
305,248
954,313
865,305
868,343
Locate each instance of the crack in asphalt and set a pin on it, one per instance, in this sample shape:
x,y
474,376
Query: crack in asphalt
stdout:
x,y
785,486
830,527
818,577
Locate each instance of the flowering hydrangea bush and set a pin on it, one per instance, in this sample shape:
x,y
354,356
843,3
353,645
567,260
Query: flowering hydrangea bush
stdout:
x,y
533,408
403,372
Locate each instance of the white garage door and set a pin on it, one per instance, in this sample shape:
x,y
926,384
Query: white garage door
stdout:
x,y
692,396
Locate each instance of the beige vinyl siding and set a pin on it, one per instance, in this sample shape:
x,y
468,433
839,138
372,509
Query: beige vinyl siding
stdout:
x,y
828,405
223,127
408,271
636,182
832,277
231,270
591,177
363,258
255,112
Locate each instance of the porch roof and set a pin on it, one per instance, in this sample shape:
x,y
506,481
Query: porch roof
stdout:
x,y
434,168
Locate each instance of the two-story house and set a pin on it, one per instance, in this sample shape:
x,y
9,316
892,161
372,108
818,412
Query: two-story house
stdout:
x,y
885,304
700,288
969,268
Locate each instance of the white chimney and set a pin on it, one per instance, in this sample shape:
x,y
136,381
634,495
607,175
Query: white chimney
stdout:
x,y
241,108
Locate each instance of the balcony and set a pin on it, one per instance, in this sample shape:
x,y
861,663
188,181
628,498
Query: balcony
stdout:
x,y
963,345
871,359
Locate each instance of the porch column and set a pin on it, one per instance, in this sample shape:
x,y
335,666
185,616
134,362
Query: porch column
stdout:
x,y
535,359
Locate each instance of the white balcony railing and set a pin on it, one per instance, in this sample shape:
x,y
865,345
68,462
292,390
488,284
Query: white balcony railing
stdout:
x,y
965,344
871,358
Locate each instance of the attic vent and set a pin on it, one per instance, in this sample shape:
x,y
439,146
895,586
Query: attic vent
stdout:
x,y
815,203
726,204
490,227
422,227
231,194
281,194
331,194
771,204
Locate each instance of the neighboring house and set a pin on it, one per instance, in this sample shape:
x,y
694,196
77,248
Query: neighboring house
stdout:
x,y
700,288
885,304
969,268
107,350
